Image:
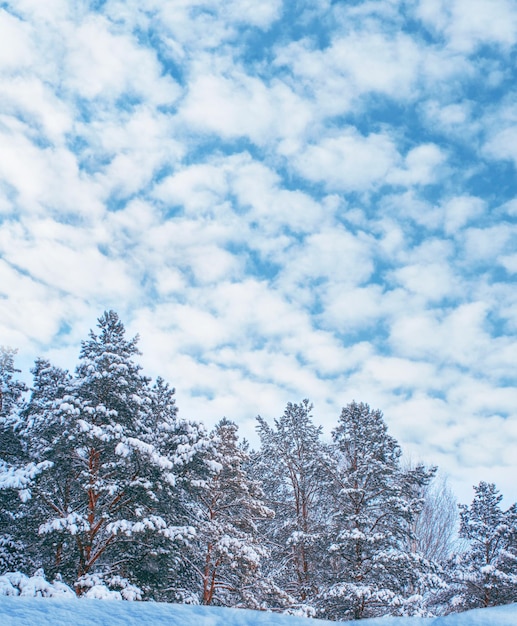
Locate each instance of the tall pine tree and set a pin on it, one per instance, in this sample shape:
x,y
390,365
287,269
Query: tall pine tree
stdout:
x,y
104,493
166,570
231,550
293,467
372,571
486,573
15,472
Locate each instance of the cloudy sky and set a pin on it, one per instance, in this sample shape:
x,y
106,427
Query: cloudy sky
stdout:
x,y
284,198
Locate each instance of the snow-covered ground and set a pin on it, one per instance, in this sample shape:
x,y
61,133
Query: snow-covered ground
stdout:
x,y
19,611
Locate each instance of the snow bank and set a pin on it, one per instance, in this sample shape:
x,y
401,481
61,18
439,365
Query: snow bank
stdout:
x,y
23,611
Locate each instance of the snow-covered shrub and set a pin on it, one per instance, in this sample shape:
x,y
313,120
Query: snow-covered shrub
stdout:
x,y
302,610
107,587
18,584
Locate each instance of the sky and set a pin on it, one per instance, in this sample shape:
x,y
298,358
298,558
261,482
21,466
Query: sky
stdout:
x,y
285,199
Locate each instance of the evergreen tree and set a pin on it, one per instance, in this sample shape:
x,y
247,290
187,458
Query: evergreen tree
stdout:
x,y
230,548
101,499
11,391
166,570
39,433
486,573
15,474
372,571
293,467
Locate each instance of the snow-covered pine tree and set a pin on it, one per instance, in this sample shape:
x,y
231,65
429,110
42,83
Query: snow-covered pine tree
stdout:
x,y
11,399
372,570
166,570
229,547
14,474
40,432
17,472
486,573
11,390
100,499
293,467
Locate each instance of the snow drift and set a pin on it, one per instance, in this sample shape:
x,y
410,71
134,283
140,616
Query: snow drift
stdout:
x,y
25,611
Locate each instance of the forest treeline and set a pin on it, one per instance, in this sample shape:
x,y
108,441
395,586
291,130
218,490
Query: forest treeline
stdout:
x,y
102,484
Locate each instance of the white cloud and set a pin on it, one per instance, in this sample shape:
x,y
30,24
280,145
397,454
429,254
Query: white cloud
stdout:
x,y
487,244
191,25
475,21
460,210
431,281
52,12
409,206
173,160
332,255
480,398
420,166
351,308
454,117
458,336
468,24
254,308
35,102
261,202
510,207
134,151
509,262
32,313
260,190
239,105
197,188
44,178
100,63
249,12
503,145
397,373
16,50
348,161
360,63
318,351
61,257
374,62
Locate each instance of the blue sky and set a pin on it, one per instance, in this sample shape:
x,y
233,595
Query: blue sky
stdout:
x,y
284,199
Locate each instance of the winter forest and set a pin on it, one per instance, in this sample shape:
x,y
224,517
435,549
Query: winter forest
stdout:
x,y
104,489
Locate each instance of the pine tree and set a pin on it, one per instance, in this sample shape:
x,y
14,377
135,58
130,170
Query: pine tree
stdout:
x,y
230,548
12,392
166,569
372,571
18,472
101,497
15,474
292,466
39,432
486,573
11,389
